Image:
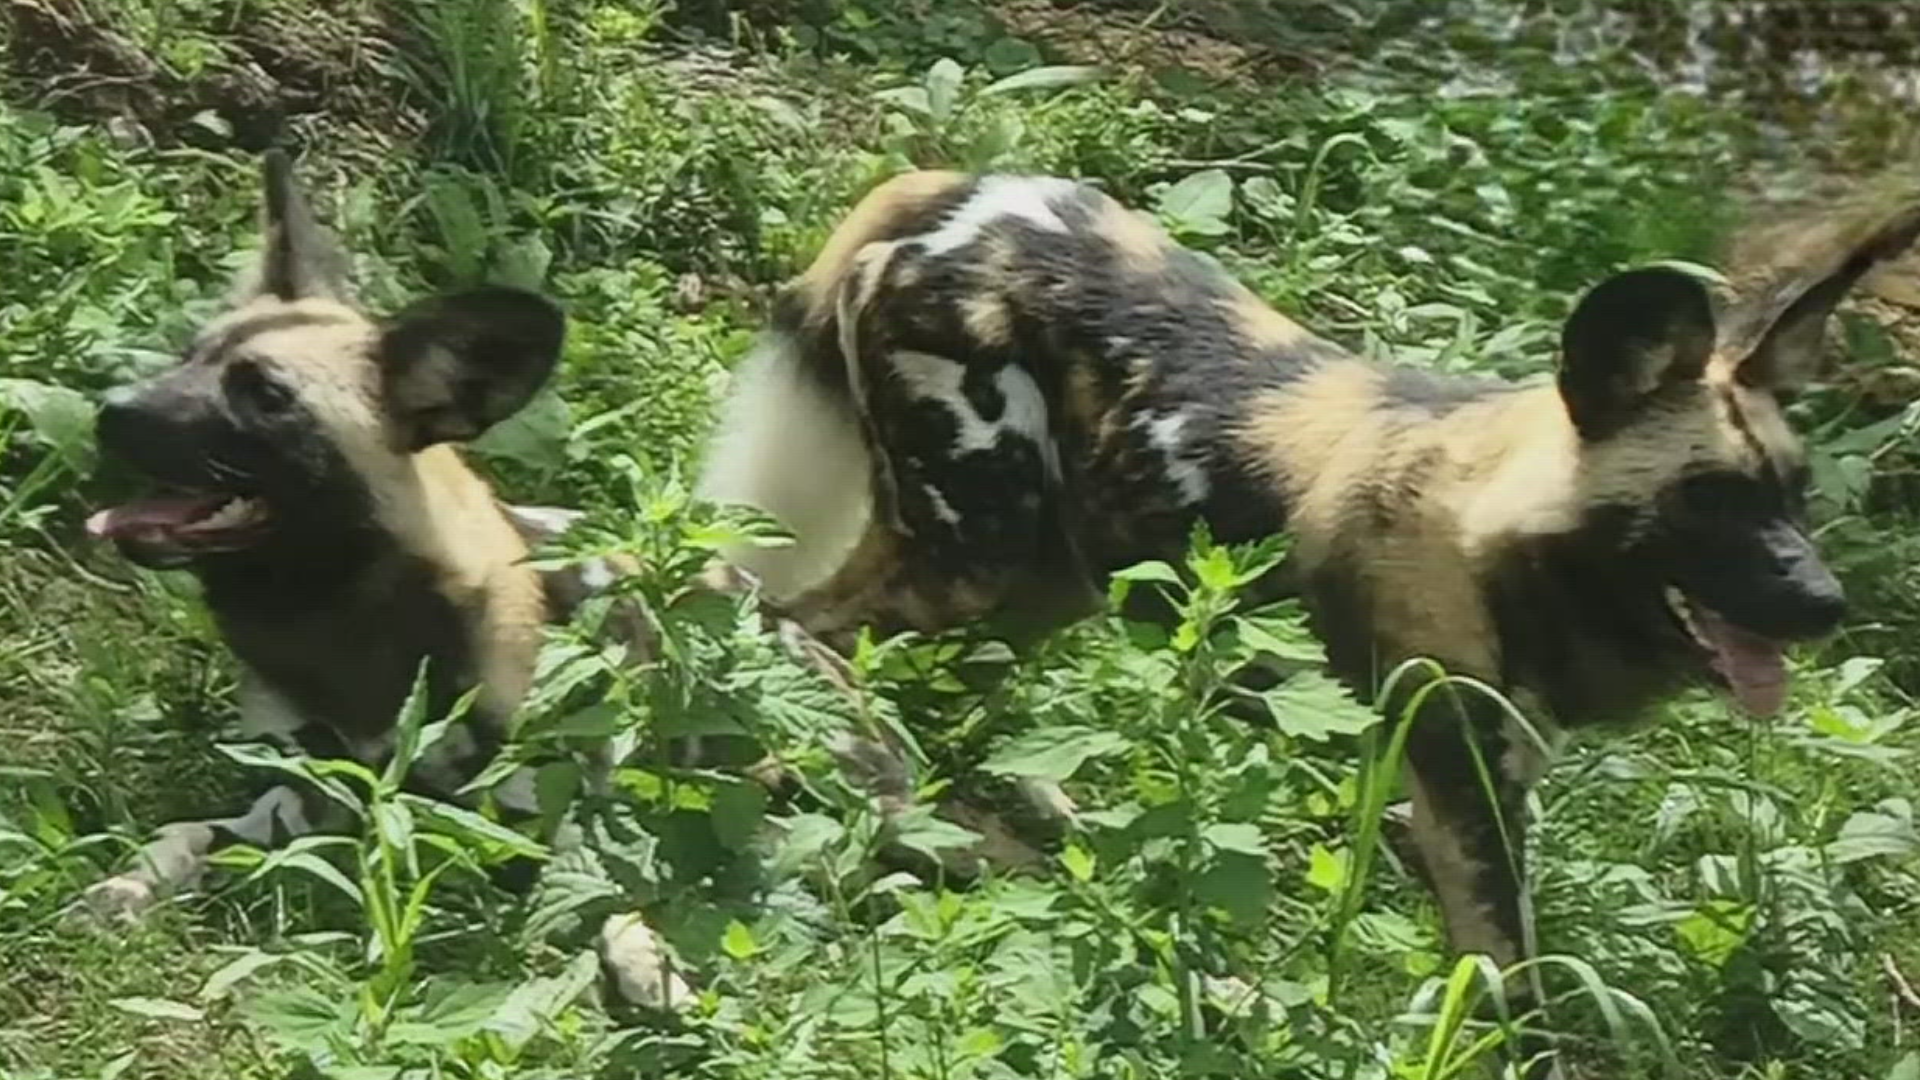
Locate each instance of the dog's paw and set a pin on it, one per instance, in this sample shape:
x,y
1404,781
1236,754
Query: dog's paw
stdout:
x,y
117,900
640,966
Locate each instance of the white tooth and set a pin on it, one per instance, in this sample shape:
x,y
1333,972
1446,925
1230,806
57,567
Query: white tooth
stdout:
x,y
1677,600
231,512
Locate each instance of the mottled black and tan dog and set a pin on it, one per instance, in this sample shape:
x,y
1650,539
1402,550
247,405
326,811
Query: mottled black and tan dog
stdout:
x,y
989,392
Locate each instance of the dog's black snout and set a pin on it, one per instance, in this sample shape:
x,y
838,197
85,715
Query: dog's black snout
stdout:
x,y
1822,605
129,421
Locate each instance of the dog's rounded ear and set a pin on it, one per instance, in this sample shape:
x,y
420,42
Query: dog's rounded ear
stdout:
x,y
1790,316
457,364
1632,335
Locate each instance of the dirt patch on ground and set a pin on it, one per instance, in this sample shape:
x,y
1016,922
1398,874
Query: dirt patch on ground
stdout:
x,y
237,75
1161,40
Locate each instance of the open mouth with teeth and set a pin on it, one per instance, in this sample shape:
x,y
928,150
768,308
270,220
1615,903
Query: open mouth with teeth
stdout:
x,y
1753,666
172,529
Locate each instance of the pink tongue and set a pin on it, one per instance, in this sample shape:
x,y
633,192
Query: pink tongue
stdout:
x,y
1754,666
151,516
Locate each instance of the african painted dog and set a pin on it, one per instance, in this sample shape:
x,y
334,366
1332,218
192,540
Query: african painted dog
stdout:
x,y
303,451
303,454
987,393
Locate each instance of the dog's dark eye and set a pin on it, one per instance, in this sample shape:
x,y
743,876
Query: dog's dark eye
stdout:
x,y
254,390
1729,496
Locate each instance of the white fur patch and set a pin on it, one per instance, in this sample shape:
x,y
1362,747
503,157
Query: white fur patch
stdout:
x,y
1167,434
1025,197
935,378
942,509
789,450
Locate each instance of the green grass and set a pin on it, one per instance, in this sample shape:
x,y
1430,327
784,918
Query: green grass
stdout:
x,y
1220,909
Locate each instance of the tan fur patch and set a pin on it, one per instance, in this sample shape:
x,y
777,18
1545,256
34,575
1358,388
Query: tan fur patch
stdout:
x,y
1314,436
885,205
1139,242
987,319
1263,326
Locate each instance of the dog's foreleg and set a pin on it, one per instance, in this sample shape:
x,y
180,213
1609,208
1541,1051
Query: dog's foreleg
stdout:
x,y
176,858
1469,770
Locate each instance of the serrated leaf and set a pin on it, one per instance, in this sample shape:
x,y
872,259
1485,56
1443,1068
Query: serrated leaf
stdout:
x,y
808,835
1054,753
298,1017
571,883
1279,637
1050,77
1079,862
919,829
1327,869
1313,706
1199,204
738,942
448,1012
157,1008
1715,930
536,1004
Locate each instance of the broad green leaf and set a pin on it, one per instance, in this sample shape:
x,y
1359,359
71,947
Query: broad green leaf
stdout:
x,y
943,88
534,438
1044,78
1265,195
449,1011
1240,836
911,98
738,941
1054,753
61,418
1079,862
1280,637
572,882
1715,930
738,810
919,829
808,835
1239,884
1148,571
1886,830
1327,869
1199,204
1907,1068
